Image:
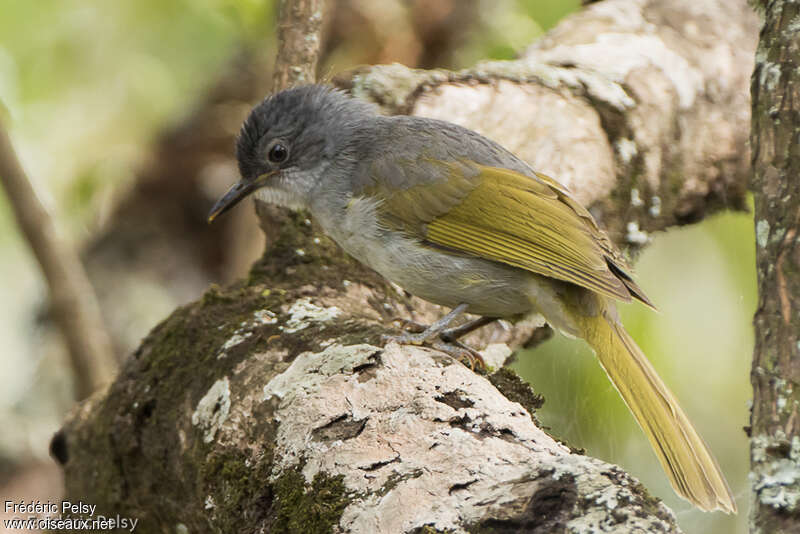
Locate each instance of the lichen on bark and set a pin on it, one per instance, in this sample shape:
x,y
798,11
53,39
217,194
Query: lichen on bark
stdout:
x,y
775,138
312,436
308,408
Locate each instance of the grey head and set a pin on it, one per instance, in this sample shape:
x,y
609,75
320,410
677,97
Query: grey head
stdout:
x,y
289,139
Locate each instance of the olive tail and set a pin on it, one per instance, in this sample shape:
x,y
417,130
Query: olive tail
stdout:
x,y
683,454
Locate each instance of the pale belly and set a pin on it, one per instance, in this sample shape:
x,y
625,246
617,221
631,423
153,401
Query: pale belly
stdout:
x,y
487,287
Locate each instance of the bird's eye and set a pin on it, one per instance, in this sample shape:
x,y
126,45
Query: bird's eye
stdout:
x,y
278,153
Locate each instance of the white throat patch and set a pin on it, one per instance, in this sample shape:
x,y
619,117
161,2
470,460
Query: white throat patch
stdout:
x,y
280,197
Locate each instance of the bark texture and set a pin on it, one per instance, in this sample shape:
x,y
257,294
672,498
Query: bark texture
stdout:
x,y
273,405
775,429
298,42
640,107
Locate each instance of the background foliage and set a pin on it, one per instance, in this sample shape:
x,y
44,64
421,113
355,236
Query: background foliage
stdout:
x,y
89,86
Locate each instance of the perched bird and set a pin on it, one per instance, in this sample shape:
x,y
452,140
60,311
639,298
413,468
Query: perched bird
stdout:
x,y
458,220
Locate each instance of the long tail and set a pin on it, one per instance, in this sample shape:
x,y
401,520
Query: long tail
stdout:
x,y
683,454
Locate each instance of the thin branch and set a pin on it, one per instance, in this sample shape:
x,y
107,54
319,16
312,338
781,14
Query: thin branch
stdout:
x,y
73,298
299,37
299,29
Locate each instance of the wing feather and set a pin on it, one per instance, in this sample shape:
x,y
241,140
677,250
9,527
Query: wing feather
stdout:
x,y
529,222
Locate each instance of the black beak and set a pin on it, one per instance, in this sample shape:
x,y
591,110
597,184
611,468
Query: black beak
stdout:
x,y
236,193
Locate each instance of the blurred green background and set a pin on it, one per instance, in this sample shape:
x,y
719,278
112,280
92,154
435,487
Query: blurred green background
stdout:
x,y
702,279
90,89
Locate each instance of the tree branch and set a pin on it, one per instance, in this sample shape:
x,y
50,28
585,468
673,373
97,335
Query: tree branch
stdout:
x,y
644,121
272,405
293,418
299,27
71,294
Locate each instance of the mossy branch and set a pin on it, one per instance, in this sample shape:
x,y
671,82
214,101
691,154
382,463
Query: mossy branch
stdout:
x,y
233,396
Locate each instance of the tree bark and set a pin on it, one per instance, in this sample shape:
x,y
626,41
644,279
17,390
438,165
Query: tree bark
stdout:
x,y
775,138
629,104
273,405
298,42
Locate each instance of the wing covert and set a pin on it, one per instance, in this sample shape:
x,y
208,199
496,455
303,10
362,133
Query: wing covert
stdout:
x,y
501,215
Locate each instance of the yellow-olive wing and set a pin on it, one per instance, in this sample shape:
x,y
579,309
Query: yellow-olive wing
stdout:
x,y
501,215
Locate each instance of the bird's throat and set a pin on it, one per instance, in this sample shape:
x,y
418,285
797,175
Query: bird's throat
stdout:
x,y
281,197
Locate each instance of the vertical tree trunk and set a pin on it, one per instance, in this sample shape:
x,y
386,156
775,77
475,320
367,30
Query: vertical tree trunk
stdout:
x,y
775,427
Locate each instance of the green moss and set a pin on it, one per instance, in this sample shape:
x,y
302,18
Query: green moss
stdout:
x,y
516,389
215,295
301,508
428,529
142,429
196,330
354,333
651,506
135,432
395,479
237,486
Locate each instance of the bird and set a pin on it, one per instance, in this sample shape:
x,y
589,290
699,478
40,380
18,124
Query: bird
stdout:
x,y
456,219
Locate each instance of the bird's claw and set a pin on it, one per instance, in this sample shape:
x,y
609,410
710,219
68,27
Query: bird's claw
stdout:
x,y
464,354
437,336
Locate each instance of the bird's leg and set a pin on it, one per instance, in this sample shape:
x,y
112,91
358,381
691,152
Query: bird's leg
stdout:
x,y
433,331
447,341
466,355
457,332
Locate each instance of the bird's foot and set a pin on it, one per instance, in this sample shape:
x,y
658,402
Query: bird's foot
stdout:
x,y
464,354
417,334
441,342
439,337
